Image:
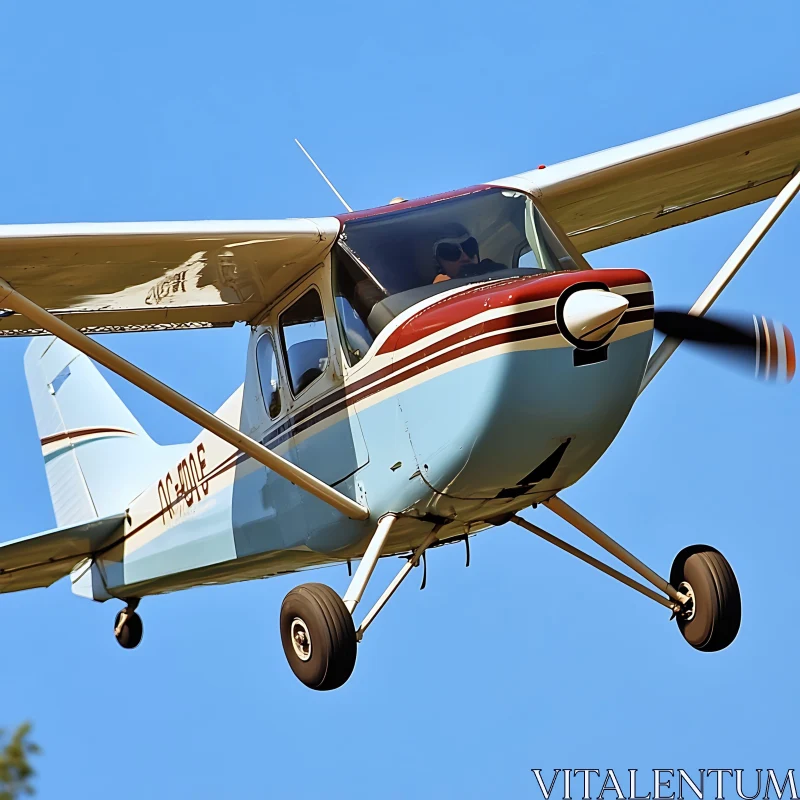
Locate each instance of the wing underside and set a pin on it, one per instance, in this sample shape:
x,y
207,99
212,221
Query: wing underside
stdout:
x,y
673,178
111,277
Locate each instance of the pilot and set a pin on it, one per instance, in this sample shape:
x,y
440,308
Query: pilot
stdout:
x,y
458,256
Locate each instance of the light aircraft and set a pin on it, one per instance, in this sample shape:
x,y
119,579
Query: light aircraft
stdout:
x,y
415,374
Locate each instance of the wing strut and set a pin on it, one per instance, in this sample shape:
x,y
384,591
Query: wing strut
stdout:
x,y
11,299
726,273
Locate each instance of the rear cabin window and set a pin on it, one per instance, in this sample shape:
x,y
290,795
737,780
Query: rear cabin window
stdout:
x,y
268,375
305,340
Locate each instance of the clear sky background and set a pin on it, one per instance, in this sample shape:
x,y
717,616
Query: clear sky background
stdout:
x,y
178,110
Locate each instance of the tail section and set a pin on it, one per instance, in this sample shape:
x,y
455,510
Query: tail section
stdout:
x,y
97,455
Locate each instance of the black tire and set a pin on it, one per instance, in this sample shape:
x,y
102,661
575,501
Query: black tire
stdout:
x,y
132,631
330,656
717,607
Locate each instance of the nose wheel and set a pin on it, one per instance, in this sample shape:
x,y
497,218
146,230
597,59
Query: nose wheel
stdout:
x,y
711,616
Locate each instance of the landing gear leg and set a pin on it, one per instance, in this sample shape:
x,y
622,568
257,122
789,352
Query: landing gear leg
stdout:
x,y
128,626
702,591
317,629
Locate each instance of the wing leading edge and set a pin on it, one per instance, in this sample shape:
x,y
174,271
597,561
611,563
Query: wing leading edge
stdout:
x,y
158,275
673,178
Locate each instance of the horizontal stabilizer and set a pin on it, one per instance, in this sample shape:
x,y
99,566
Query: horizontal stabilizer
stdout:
x,y
40,560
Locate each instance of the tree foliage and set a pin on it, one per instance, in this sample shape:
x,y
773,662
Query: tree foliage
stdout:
x,y
15,769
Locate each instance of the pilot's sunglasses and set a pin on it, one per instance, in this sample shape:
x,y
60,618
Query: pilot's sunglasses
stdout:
x,y
450,251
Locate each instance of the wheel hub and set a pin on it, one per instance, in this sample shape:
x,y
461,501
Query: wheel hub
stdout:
x,y
687,611
301,639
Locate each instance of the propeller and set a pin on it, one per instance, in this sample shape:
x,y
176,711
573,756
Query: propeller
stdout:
x,y
764,346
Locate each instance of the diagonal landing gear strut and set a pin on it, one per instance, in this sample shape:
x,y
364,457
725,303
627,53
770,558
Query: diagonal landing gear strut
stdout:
x,y
593,562
367,566
569,514
706,602
412,562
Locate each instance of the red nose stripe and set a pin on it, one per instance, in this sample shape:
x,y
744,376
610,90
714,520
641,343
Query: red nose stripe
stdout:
x,y
454,309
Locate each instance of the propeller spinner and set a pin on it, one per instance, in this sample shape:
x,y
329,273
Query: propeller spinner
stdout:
x,y
590,316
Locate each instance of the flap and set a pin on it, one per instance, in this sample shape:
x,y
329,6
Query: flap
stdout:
x,y
110,277
673,178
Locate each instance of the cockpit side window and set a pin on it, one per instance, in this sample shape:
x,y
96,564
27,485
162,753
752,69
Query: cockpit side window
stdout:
x,y
305,340
545,246
268,375
355,293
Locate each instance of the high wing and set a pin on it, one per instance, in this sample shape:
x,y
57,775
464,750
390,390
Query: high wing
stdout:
x,y
152,276
673,178
157,275
40,560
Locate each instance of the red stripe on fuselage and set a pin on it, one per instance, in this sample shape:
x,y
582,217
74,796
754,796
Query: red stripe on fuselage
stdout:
x,y
498,294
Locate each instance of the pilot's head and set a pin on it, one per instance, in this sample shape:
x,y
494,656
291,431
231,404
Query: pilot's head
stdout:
x,y
455,250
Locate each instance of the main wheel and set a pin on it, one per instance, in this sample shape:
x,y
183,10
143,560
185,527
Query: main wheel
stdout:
x,y
131,632
318,636
711,619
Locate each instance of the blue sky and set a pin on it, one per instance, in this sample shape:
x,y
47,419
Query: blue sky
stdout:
x,y
528,658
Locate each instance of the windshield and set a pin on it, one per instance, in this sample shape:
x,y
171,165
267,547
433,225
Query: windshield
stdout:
x,y
387,263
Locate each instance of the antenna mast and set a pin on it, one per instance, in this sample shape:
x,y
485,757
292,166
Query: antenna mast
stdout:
x,y
324,176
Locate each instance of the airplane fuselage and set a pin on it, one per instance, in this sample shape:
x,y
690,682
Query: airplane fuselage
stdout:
x,y
470,405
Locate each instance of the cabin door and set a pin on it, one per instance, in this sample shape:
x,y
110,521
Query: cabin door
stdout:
x,y
325,435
